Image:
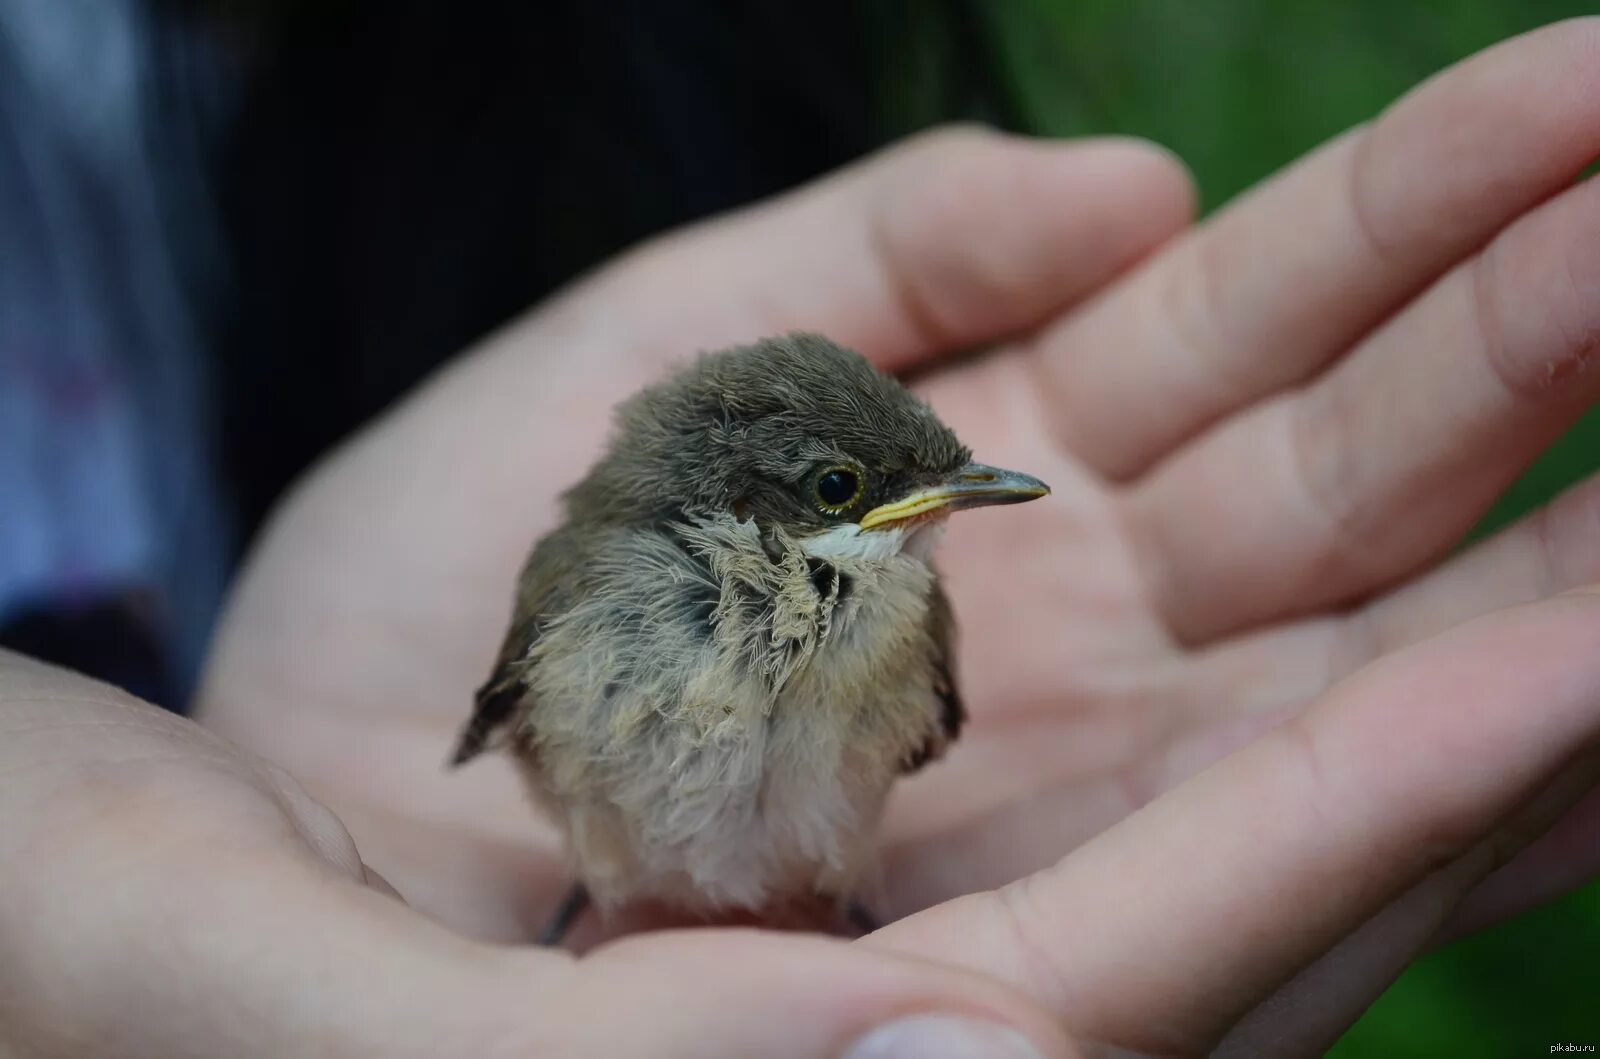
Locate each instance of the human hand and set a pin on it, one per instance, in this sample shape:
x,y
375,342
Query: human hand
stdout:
x,y
1263,437
167,895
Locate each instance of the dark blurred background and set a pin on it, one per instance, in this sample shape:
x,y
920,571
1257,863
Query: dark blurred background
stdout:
x,y
232,231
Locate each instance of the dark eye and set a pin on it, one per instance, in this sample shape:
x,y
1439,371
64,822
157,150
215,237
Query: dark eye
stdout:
x,y
838,488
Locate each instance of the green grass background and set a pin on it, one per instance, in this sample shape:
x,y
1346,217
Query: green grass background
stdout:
x,y
1239,88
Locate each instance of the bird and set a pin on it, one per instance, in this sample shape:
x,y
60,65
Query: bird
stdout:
x,y
736,641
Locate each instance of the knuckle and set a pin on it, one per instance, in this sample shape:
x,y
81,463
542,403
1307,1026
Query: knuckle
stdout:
x,y
952,140
1193,302
1537,357
1324,469
1377,231
1017,908
1567,536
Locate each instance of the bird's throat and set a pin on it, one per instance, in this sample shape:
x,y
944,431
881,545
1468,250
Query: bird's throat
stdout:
x,y
849,542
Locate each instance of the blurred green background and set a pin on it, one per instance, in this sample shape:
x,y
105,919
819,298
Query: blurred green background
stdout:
x,y
1239,88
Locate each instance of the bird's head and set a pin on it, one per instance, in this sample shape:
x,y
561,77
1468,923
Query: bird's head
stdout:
x,y
794,432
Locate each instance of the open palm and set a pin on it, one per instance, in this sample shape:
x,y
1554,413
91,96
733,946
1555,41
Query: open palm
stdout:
x,y
1262,435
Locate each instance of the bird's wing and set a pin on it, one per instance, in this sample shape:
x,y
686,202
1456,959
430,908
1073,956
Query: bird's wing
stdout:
x,y
542,588
951,715
497,699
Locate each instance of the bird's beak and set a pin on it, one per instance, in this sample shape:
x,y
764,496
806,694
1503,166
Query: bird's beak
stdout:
x,y
974,485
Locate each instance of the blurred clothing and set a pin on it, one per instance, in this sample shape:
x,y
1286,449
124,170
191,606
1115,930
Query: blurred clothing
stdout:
x,y
404,176
110,517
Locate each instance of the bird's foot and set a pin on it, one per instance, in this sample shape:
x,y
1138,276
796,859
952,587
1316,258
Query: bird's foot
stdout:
x,y
572,906
859,917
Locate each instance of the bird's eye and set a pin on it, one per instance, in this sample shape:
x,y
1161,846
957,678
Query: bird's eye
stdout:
x,y
837,489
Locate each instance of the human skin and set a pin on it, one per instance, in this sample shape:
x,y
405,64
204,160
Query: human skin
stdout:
x,y
1246,735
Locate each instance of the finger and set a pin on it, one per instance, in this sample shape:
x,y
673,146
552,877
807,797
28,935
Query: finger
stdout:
x,y
948,240
1553,550
1309,1014
1230,884
1566,857
1383,462
738,993
1285,279
1550,551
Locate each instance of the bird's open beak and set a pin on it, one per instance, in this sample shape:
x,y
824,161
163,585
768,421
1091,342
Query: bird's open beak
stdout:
x,y
974,485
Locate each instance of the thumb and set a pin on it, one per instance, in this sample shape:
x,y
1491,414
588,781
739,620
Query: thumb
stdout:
x,y
278,958
164,897
736,993
376,978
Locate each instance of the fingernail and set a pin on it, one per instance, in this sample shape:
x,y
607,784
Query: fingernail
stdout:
x,y
943,1037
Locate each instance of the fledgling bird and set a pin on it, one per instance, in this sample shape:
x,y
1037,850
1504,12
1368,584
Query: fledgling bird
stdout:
x,y
721,661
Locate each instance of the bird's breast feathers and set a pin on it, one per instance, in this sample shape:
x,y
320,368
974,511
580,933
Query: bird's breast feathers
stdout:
x,y
731,714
